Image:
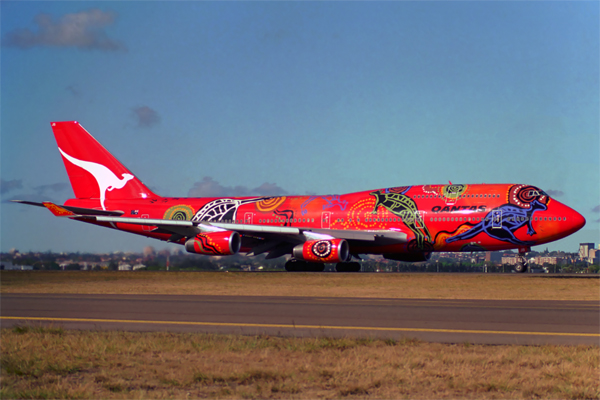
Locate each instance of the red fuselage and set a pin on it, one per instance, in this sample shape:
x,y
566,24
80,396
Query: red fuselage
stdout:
x,y
434,217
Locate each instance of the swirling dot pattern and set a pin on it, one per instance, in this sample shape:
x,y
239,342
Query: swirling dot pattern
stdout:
x,y
270,204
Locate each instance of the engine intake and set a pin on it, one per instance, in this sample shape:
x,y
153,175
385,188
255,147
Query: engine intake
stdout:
x,y
323,251
223,243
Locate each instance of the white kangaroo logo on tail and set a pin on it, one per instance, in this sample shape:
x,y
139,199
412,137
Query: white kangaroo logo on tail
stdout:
x,y
105,178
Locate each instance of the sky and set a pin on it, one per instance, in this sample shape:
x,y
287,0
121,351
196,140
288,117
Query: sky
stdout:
x,y
248,98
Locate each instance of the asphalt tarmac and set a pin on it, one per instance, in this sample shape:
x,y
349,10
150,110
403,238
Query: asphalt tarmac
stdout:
x,y
447,321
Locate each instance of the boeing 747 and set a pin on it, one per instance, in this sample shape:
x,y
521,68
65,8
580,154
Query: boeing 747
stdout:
x,y
405,223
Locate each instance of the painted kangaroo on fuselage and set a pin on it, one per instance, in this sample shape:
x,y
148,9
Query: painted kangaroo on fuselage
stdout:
x,y
398,203
513,218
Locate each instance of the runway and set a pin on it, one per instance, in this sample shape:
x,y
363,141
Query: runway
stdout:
x,y
446,321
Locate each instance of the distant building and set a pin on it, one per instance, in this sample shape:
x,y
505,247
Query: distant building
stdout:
x,y
9,266
594,256
125,267
541,260
493,256
510,260
584,250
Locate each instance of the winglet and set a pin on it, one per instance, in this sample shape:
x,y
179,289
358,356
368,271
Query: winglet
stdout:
x,y
58,211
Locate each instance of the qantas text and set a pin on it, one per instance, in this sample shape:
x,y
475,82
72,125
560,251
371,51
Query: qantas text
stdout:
x,y
438,209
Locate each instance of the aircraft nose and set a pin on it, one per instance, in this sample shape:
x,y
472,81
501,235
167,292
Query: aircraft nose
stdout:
x,y
575,220
578,220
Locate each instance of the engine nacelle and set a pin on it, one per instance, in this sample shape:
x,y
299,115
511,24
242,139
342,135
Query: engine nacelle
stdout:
x,y
223,243
409,257
323,251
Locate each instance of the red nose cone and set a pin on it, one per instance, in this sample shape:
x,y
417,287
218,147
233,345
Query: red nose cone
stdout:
x,y
578,221
575,221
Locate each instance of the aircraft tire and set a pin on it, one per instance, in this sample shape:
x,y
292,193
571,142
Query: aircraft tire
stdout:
x,y
303,266
295,265
347,267
521,268
316,267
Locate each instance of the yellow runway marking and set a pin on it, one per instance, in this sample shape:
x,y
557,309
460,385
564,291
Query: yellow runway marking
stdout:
x,y
287,326
455,303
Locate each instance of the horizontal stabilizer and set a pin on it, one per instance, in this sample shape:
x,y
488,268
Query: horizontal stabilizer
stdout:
x,y
74,210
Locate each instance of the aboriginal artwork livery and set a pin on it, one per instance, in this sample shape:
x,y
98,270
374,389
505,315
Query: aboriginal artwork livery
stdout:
x,y
224,209
399,204
453,192
216,243
502,222
323,251
179,213
404,223
269,203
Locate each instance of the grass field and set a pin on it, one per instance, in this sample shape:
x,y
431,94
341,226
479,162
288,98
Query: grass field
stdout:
x,y
386,285
51,363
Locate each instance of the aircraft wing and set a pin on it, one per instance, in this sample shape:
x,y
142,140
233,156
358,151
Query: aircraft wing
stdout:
x,y
276,240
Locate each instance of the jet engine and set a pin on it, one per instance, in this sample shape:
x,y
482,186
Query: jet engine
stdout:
x,y
323,251
222,243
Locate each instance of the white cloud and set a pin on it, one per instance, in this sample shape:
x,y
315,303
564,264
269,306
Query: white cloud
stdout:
x,y
83,30
7,186
208,187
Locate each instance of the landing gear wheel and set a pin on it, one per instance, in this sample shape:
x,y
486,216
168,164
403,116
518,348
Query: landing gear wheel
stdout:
x,y
347,267
316,267
294,265
522,266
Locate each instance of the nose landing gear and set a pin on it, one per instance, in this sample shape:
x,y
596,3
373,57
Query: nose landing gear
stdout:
x,y
522,266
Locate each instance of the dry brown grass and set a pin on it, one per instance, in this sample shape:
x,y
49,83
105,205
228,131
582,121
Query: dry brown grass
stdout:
x,y
51,363
397,285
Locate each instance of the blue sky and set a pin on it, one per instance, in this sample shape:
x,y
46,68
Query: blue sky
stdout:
x,y
293,97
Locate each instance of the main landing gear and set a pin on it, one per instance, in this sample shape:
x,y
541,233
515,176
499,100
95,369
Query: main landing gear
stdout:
x,y
347,267
522,265
294,265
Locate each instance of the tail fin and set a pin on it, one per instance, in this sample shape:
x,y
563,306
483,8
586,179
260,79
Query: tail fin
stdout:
x,y
94,172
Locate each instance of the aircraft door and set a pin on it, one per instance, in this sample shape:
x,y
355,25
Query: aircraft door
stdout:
x,y
420,219
248,217
497,219
326,220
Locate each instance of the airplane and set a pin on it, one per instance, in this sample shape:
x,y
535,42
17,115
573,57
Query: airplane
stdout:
x,y
404,223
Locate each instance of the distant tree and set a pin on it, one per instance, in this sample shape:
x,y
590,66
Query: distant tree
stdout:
x,y
53,266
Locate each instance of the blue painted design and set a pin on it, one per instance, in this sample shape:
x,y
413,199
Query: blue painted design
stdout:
x,y
513,218
332,201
